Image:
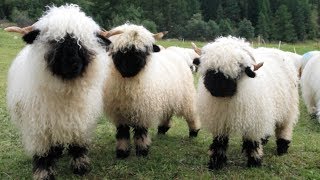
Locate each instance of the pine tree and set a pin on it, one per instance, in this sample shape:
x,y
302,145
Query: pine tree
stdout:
x,y
283,27
263,27
246,29
225,27
232,10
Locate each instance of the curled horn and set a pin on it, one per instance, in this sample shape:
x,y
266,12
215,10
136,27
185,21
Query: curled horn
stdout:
x,y
20,30
108,34
160,35
196,49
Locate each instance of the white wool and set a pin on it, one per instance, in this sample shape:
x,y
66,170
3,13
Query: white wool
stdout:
x,y
188,54
306,57
162,88
48,110
231,50
260,103
310,85
293,57
132,35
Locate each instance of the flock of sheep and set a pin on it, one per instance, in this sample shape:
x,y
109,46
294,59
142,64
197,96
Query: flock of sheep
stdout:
x,y
71,71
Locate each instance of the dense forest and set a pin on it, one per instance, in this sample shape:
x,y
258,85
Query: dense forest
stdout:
x,y
272,20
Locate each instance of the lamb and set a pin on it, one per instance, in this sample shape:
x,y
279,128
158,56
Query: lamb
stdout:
x,y
144,88
55,87
233,98
310,85
190,56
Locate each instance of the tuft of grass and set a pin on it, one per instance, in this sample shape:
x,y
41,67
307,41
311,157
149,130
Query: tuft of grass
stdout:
x,y
172,156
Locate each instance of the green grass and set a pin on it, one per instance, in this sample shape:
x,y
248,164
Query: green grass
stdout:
x,y
173,156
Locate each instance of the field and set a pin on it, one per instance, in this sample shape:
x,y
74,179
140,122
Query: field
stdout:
x,y
173,156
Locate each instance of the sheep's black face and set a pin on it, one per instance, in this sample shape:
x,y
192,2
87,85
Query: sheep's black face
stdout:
x,y
219,85
130,61
68,59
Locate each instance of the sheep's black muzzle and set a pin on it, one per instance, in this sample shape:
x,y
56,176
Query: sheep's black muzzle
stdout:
x,y
130,61
219,85
68,58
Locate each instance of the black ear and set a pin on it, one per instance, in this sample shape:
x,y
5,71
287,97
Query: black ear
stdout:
x,y
103,40
249,72
196,61
156,48
31,36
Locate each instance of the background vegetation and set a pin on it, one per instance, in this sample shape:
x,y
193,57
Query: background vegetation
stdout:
x,y
272,20
173,156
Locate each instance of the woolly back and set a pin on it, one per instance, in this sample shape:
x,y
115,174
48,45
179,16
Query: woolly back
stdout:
x,y
228,55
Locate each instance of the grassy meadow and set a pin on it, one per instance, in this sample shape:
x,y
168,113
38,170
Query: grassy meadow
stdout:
x,y
173,156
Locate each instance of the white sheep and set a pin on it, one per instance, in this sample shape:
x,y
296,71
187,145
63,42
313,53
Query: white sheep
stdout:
x,y
189,55
144,88
55,87
304,60
310,85
232,98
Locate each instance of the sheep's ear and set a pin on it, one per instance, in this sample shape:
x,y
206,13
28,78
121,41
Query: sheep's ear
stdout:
x,y
103,40
156,48
31,36
249,72
196,61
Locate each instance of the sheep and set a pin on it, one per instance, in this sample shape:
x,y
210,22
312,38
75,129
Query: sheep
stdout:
x,y
304,60
310,86
144,88
292,57
55,87
233,98
189,55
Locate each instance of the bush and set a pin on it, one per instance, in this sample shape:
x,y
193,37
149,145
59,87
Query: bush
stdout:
x,y
197,29
245,29
21,17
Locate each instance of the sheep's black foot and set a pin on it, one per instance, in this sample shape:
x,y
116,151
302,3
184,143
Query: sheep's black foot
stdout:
x,y
282,146
313,116
123,141
253,150
43,166
163,129
80,162
122,154
265,140
193,133
218,157
142,141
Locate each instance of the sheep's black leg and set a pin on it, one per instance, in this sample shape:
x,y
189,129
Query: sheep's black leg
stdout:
x,y
218,148
164,127
253,150
80,162
282,146
123,141
265,140
43,165
142,141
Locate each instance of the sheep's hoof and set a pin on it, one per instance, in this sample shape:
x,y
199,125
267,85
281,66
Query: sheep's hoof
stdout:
x,y
163,129
282,146
254,162
142,152
81,165
43,174
122,154
193,133
217,162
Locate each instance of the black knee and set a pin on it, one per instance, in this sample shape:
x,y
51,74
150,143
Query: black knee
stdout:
x,y
140,136
123,134
80,163
251,150
163,129
193,133
43,165
218,148
282,146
